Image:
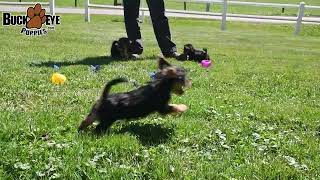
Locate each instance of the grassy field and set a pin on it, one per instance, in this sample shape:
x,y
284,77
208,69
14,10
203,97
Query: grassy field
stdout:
x,y
175,4
254,115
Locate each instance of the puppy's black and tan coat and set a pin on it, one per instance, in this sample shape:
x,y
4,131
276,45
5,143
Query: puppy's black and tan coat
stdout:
x,y
153,97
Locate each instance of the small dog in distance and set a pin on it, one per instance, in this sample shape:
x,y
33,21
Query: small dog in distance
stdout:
x,y
193,54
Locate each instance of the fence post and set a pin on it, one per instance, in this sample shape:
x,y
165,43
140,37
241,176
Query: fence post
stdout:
x,y
142,11
224,15
86,11
51,5
299,18
185,6
208,7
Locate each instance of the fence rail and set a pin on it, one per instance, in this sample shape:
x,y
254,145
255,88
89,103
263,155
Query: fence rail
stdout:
x,y
244,3
312,7
50,4
299,19
23,3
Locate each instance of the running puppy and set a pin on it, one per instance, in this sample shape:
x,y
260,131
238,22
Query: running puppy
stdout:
x,y
153,97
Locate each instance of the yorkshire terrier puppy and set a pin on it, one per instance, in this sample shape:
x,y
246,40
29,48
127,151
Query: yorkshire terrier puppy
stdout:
x,y
120,49
153,97
190,53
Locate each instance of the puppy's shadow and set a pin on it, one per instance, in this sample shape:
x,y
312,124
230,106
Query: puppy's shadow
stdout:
x,y
98,60
148,134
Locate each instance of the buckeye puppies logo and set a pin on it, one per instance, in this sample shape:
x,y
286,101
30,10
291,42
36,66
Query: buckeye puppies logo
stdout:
x,y
34,20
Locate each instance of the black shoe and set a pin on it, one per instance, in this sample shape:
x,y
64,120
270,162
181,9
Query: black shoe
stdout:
x,y
172,55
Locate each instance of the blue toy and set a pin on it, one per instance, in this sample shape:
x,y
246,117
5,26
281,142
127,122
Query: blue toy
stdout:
x,y
152,75
56,67
95,68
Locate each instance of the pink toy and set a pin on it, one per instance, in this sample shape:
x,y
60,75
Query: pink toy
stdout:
x,y
206,63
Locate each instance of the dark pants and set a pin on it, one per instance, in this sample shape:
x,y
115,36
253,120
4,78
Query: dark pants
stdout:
x,y
159,21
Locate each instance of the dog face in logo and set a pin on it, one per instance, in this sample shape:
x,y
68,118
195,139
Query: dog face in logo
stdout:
x,y
37,16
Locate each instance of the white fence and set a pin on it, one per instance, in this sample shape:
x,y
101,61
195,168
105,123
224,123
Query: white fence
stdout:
x,y
301,8
50,4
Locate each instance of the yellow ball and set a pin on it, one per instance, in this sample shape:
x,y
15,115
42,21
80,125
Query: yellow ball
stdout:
x,y
58,79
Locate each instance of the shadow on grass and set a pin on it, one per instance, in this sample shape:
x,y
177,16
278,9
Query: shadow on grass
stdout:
x,y
98,60
148,134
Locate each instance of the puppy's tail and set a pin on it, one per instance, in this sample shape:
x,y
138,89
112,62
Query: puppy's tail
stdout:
x,y
110,84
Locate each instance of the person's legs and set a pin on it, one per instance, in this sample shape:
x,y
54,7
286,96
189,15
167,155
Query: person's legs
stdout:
x,y
161,27
131,16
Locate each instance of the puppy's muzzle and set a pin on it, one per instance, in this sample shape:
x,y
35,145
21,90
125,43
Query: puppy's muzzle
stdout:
x,y
85,123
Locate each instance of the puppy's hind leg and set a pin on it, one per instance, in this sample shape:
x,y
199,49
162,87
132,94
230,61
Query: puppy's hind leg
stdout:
x,y
179,108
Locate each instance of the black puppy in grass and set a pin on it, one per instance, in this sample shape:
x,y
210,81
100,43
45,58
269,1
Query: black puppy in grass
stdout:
x,y
153,97
193,54
120,49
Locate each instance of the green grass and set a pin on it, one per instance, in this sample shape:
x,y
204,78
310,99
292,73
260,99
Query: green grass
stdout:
x,y
173,4
254,115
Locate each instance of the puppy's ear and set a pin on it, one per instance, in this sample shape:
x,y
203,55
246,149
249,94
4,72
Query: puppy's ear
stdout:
x,y
186,47
115,43
162,63
189,46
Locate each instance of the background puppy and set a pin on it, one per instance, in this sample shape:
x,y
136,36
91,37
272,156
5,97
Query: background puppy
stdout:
x,y
190,53
120,48
153,97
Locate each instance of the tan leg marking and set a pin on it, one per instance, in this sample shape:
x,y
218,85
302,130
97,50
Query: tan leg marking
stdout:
x,y
179,108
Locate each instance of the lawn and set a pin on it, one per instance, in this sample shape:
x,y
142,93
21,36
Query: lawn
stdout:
x,y
236,9
254,115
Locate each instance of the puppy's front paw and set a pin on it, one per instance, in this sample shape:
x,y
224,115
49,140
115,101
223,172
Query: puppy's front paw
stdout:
x,y
182,107
179,108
